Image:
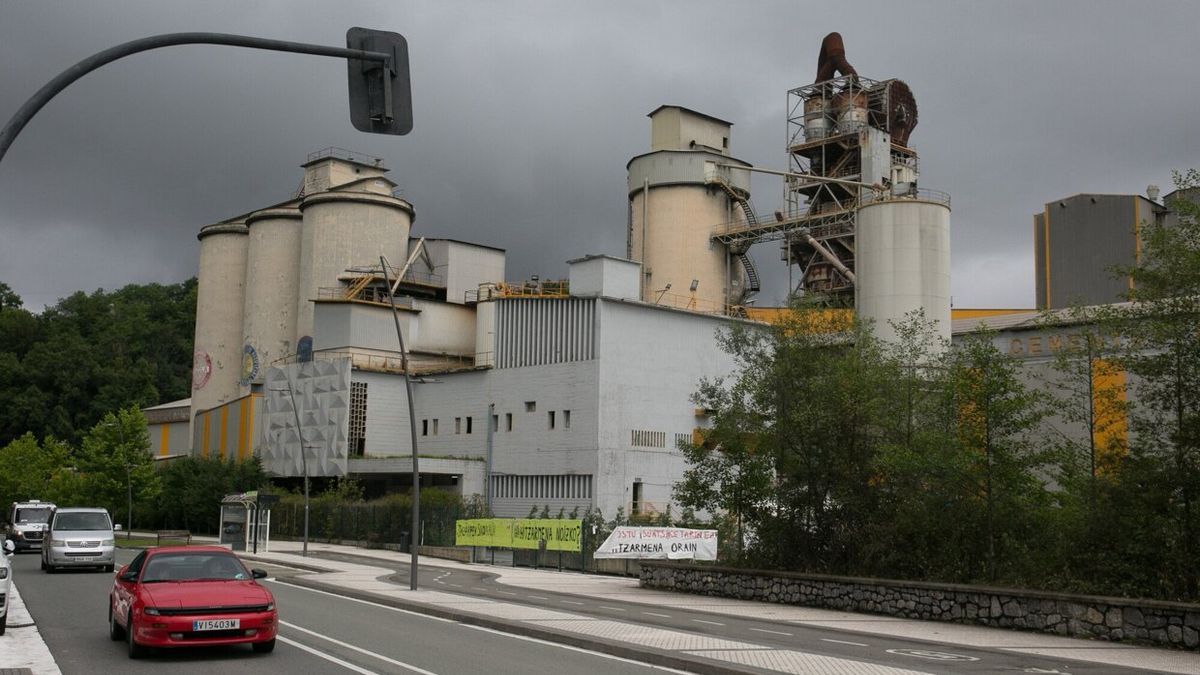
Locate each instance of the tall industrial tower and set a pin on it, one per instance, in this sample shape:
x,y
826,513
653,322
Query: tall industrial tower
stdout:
x,y
855,224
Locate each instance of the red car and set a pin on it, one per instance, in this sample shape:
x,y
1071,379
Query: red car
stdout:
x,y
190,596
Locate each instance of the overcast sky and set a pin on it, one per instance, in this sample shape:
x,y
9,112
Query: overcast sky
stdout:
x,y
525,114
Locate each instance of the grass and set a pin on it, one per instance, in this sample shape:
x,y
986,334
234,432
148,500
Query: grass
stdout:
x,y
147,542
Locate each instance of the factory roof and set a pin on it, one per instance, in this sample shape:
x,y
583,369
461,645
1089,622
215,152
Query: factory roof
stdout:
x,y
654,112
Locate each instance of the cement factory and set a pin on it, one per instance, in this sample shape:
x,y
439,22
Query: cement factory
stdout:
x,y
564,394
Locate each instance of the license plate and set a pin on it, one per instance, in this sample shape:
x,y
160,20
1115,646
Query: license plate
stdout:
x,y
85,559
215,624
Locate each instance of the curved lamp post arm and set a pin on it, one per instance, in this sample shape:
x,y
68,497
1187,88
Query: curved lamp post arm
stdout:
x,y
65,78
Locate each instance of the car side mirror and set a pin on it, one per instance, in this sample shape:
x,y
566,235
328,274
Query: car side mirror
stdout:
x,y
9,547
258,574
128,576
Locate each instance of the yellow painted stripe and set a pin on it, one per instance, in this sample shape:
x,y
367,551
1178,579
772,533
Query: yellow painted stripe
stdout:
x,y
164,440
1111,432
1046,249
205,433
241,449
224,429
250,424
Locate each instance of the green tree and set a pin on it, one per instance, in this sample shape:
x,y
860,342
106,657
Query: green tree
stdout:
x,y
1162,353
116,464
27,467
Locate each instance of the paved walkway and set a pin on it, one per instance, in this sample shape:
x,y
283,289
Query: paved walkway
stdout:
x,y
370,581
21,646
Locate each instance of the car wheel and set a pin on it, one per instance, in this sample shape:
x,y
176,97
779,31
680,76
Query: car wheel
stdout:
x,y
136,651
264,647
108,568
43,563
115,632
3,623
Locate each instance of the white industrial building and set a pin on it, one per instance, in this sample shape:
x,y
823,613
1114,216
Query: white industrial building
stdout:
x,y
565,394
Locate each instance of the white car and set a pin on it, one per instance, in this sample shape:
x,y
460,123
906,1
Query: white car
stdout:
x,y
5,577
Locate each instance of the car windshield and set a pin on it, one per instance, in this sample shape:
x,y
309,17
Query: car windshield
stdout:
x,y
199,566
66,522
36,515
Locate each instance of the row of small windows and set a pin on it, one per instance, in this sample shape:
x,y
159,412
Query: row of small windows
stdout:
x,y
648,439
542,487
554,420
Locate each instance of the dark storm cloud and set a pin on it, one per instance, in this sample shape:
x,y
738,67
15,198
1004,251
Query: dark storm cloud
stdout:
x,y
526,113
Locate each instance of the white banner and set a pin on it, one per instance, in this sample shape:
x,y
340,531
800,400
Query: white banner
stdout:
x,y
674,543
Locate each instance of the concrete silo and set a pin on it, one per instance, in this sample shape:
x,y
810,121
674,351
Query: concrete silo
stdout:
x,y
903,256
676,207
220,296
272,274
350,218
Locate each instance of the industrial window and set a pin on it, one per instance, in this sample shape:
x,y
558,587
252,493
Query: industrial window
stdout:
x,y
530,406
458,425
682,440
640,438
469,425
508,421
358,419
435,425
424,427
550,419
566,419
495,423
636,507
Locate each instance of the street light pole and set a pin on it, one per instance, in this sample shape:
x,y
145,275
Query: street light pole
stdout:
x,y
128,476
415,536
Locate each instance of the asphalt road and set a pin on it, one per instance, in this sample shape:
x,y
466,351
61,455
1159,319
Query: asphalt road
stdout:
x,y
320,633
907,653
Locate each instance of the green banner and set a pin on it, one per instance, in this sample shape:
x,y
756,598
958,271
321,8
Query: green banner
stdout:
x,y
559,534
483,532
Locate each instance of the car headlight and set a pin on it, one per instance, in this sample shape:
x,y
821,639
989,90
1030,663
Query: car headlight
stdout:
x,y
106,542
270,606
152,611
3,572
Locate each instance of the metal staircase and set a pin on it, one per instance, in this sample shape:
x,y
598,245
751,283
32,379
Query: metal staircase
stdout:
x,y
753,283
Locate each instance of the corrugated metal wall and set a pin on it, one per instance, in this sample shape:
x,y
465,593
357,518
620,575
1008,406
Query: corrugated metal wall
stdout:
x,y
540,331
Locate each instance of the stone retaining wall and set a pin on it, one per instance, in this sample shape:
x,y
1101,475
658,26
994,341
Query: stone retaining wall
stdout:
x,y
1173,624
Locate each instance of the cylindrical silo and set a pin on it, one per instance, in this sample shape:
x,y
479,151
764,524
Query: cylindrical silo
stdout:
x,y
902,263
220,296
272,275
677,249
344,228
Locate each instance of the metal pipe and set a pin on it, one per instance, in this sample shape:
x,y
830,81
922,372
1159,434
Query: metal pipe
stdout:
x,y
412,425
645,215
70,75
828,255
808,176
488,478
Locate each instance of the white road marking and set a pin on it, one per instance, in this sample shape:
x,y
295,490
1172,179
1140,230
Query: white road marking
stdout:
x,y
578,649
539,597
477,588
572,602
772,632
664,616
367,602
615,609
360,650
506,592
456,585
319,654
846,642
711,623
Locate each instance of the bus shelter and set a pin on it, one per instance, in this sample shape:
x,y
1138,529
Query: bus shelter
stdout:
x,y
246,521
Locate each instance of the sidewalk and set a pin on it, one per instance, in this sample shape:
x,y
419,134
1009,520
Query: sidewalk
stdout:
x,y
364,581
22,646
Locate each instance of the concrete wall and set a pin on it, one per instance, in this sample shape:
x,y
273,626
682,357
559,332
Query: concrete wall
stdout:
x,y
429,327
675,128
1173,624
604,275
321,392
653,360
680,221
1082,238
463,267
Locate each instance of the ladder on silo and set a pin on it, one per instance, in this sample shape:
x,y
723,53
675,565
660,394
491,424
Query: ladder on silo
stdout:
x,y
753,284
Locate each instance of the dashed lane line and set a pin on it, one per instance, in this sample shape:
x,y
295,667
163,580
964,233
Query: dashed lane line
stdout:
x,y
711,623
367,602
663,616
539,597
614,609
572,602
772,632
845,642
